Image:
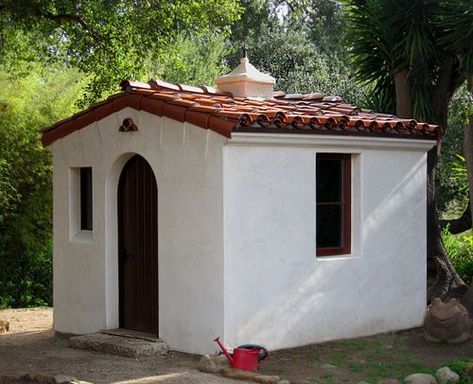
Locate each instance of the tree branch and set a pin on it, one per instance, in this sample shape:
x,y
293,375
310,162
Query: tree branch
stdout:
x,y
60,19
64,18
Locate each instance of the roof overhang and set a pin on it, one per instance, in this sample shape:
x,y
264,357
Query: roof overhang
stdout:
x,y
327,141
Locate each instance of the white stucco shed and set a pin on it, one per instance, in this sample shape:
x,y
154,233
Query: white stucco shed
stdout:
x,y
262,218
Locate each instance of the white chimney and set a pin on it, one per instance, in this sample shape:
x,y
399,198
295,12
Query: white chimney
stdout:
x,y
246,81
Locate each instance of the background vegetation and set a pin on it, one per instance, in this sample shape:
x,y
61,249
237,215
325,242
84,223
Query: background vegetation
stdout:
x,y
56,56
26,104
460,249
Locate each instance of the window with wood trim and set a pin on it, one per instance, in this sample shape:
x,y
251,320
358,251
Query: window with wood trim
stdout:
x,y
86,199
333,204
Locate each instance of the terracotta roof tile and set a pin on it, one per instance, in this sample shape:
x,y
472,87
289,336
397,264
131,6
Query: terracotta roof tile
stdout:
x,y
129,84
292,96
175,112
201,119
207,108
190,88
184,103
213,91
332,98
158,84
279,94
313,96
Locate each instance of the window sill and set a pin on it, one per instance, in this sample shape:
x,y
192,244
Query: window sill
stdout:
x,y
351,256
82,236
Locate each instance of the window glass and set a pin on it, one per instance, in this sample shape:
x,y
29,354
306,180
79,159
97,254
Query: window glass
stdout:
x,y
86,198
333,205
329,226
329,183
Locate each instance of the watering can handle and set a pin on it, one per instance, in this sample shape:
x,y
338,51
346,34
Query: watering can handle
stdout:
x,y
263,353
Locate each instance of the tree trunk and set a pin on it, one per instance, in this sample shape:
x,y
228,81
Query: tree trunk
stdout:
x,y
403,94
468,152
468,145
447,281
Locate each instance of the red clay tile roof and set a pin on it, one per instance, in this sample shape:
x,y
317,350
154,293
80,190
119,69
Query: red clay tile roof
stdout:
x,y
224,114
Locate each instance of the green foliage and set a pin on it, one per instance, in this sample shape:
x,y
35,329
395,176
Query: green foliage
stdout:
x,y
460,250
107,40
25,179
301,48
451,190
194,60
322,20
460,175
371,51
460,365
300,67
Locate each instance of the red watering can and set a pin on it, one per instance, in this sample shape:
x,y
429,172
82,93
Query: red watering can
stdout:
x,y
245,357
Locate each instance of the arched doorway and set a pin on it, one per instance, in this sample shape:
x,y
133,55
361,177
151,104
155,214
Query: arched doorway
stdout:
x,y
138,247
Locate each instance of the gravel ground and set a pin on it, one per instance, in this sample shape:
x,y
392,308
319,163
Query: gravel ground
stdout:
x,y
31,347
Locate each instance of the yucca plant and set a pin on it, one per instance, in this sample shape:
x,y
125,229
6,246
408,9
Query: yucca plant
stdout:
x,y
416,54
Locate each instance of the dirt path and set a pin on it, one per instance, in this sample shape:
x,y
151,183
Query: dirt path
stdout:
x,y
31,347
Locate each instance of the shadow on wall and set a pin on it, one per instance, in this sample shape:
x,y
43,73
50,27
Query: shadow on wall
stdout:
x,y
330,302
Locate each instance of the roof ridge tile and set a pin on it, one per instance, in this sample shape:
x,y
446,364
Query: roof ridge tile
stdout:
x,y
158,84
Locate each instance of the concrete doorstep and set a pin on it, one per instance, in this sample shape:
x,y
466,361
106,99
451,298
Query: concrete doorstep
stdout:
x,y
121,343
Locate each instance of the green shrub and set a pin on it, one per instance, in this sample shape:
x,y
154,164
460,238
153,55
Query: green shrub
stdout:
x,y
460,250
25,219
459,366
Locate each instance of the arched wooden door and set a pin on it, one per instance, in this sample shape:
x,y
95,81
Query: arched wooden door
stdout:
x,y
138,247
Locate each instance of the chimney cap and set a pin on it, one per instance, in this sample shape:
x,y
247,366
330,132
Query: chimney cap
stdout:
x,y
245,71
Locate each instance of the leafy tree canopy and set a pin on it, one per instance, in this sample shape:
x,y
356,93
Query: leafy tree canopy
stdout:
x,y
195,60
299,42
322,21
107,40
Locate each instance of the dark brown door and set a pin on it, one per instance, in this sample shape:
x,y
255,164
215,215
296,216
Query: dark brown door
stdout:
x,y
138,246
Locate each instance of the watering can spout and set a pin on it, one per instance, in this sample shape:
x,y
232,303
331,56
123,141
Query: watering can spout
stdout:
x,y
224,350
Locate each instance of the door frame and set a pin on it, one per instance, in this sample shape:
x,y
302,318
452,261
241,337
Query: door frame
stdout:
x,y
110,233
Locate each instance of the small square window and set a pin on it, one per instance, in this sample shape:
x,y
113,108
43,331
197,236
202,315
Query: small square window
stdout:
x,y
86,199
333,204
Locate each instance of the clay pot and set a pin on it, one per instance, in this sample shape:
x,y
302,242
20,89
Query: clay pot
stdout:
x,y
448,322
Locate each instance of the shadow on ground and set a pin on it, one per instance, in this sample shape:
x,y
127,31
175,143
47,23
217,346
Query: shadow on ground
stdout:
x,y
41,352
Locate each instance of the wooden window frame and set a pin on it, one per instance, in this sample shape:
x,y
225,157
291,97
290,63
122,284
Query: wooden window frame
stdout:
x,y
345,203
86,198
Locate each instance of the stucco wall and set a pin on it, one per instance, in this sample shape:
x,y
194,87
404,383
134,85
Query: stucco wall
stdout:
x,y
187,162
237,235
277,292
